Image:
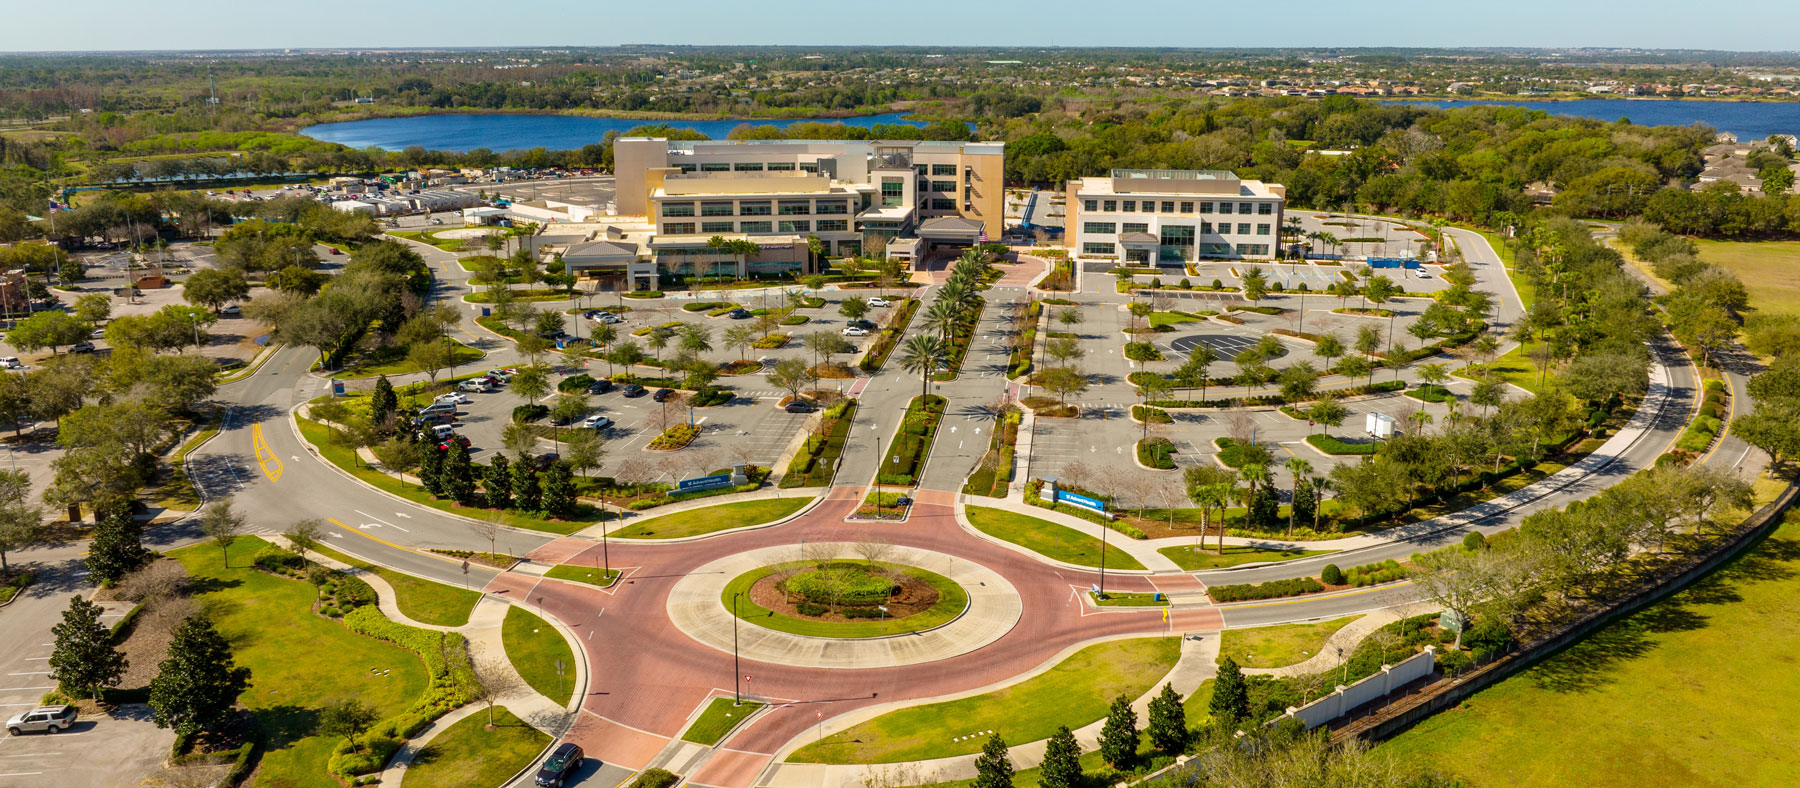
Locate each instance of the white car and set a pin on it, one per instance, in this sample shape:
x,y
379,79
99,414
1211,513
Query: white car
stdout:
x,y
596,422
232,311
478,385
502,375
48,719
454,398
853,331
608,317
878,302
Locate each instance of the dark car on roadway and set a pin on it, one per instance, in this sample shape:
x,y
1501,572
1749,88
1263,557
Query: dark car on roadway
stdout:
x,y
600,386
635,390
739,314
663,395
801,406
560,766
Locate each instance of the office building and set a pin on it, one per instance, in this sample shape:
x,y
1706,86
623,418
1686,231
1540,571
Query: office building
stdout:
x,y
1173,216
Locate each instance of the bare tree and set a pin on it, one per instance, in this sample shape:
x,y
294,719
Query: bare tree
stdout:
x,y
898,776
498,679
223,525
488,528
1384,641
875,552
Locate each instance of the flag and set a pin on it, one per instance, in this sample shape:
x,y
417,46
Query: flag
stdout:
x,y
981,237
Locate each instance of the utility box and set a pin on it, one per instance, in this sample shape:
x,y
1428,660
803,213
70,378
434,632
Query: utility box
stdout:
x,y
1379,425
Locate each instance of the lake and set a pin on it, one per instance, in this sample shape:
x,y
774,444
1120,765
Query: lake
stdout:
x,y
1750,120
504,132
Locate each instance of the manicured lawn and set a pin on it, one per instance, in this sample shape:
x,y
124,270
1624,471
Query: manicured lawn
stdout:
x,y
534,648
1160,319
460,355
420,599
584,574
1518,369
711,519
319,436
721,715
1059,542
299,662
1189,559
1273,647
1770,269
1073,693
467,755
1129,599
952,600
1696,690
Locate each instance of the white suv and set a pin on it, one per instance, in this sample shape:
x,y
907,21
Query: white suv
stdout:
x,y
879,302
50,719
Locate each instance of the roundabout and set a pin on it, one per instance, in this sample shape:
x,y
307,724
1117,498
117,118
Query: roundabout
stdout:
x,y
844,598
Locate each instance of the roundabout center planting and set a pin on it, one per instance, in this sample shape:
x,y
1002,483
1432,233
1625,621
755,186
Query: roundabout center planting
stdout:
x,y
845,598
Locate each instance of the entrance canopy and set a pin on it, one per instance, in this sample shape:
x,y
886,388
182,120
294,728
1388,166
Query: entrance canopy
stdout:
x,y
950,230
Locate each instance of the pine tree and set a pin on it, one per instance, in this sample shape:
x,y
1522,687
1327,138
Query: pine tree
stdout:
x,y
84,659
459,474
431,471
1231,696
496,482
199,681
116,550
382,403
1168,722
1062,761
1119,736
559,489
527,495
993,767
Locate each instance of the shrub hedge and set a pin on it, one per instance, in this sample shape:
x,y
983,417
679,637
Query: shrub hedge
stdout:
x,y
1270,590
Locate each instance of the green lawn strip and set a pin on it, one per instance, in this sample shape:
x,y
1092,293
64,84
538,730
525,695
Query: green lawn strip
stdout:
x,y
1274,647
576,573
952,600
1697,689
468,755
710,519
460,355
533,294
299,662
319,436
1130,599
721,715
420,599
178,491
1074,693
1191,560
1160,319
1059,542
534,648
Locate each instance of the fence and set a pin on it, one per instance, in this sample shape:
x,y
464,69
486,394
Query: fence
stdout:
x,y
1344,699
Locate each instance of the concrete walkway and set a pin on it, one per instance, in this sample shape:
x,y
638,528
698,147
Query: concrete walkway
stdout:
x,y
1346,638
1141,549
386,599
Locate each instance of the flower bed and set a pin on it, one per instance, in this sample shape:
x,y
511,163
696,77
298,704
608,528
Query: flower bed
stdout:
x,y
1338,447
1158,453
676,437
1050,408
1152,415
961,335
770,342
708,306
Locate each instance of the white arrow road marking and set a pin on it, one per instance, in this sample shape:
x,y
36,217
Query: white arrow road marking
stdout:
x,y
367,526
403,514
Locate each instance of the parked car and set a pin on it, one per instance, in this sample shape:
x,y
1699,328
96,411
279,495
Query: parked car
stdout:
x,y
600,386
232,311
444,445
479,385
334,250
610,317
597,422
544,460
562,764
878,301
454,398
11,362
46,719
861,323
504,376
634,390
82,347
663,395
801,406
853,331
739,314
99,333
428,419
443,431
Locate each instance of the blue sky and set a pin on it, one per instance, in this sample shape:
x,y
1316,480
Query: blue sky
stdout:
x,y
36,25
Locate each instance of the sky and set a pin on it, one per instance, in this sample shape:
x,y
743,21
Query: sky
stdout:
x,y
88,25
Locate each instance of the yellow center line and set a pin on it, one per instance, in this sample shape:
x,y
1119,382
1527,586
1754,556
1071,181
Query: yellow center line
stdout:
x,y
265,454
366,535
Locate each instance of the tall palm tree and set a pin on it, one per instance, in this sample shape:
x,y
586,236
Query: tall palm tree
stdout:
x,y
1299,468
942,317
1254,475
1320,484
923,354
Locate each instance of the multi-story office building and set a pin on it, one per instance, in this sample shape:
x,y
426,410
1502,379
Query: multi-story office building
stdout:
x,y
899,198
1169,216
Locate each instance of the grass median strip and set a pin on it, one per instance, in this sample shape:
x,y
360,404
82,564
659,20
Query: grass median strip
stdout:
x,y
591,575
1274,647
1058,542
1075,692
712,519
468,755
1191,560
420,599
720,717
535,648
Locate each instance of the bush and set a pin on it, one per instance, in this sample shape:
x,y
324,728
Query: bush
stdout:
x,y
1431,392
1158,453
810,609
1270,590
1455,662
655,778
353,593
275,559
1333,576
1218,285
529,413
1488,634
578,382
1474,541
1332,445
1185,284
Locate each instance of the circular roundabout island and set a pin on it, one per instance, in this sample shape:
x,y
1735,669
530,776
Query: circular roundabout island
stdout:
x,y
823,607
845,598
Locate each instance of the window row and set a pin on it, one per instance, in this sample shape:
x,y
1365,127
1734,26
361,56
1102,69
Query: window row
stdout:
x,y
756,208
784,226
1178,207
1108,228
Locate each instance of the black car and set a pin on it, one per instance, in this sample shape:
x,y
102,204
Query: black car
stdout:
x,y
543,461
663,395
600,386
861,323
801,406
561,765
739,314
635,390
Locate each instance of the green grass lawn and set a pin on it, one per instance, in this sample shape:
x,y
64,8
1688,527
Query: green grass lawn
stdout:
x,y
1191,560
420,599
1160,319
534,648
1696,690
1273,647
952,600
468,755
1059,542
721,715
1517,368
1770,269
177,491
1073,693
460,355
711,519
319,436
584,574
299,662
1130,599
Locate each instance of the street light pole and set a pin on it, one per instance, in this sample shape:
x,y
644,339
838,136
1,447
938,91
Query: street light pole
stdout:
x,y
1103,530
737,686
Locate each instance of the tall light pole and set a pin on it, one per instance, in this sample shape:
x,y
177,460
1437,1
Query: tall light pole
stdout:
x,y
1103,530
737,673
880,462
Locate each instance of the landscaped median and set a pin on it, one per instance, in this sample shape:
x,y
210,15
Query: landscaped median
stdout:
x,y
911,444
421,600
816,463
1053,541
592,575
535,648
712,519
721,717
1193,559
844,598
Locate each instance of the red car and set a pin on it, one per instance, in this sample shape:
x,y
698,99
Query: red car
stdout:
x,y
444,445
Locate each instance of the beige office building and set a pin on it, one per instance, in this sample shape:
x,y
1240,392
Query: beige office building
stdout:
x,y
1173,216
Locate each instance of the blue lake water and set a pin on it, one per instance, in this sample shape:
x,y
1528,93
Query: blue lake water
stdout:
x,y
1750,120
504,132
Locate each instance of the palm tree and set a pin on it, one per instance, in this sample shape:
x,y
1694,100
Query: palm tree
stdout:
x,y
1319,485
739,338
1254,474
1207,497
1298,468
942,316
923,354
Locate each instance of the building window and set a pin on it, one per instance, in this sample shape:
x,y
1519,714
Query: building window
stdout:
x,y
1224,207
1168,206
893,190
678,209
687,168
948,187
795,207
1106,228
715,227
1187,207
747,166
1177,235
1262,229
796,227
1206,228
1090,205
920,168
1244,208
1096,248
1265,208
1243,228
760,208
943,204
833,208
1109,205
1130,206
755,227
1135,227
809,166
781,166
715,209
715,167
1206,207
833,225
678,228
1245,250
943,169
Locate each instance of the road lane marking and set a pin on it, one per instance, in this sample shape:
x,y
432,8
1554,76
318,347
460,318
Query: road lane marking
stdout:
x,y
365,534
265,456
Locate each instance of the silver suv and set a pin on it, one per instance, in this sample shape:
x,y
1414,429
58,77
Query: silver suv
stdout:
x,y
44,718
